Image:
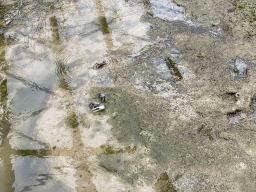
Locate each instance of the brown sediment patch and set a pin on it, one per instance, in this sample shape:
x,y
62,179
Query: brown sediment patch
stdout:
x,y
164,184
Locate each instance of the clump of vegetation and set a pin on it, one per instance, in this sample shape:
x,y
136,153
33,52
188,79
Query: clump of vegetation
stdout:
x,y
164,184
247,8
172,66
4,9
110,150
71,120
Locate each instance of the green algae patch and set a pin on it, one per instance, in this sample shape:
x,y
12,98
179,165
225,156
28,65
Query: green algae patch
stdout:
x,y
130,150
40,153
110,150
126,120
235,69
172,66
164,184
4,9
247,8
207,132
71,120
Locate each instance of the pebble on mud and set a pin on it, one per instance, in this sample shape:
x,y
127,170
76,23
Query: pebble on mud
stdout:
x,y
186,184
240,68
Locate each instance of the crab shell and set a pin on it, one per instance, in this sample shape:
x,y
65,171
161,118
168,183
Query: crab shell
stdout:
x,y
98,65
102,97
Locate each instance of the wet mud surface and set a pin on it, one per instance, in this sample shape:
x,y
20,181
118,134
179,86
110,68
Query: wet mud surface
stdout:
x,y
180,85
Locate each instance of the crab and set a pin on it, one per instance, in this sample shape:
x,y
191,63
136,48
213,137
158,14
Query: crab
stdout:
x,y
98,65
102,97
95,107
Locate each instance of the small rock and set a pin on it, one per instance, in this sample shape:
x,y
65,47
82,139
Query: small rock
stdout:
x,y
236,119
186,184
240,68
253,116
172,174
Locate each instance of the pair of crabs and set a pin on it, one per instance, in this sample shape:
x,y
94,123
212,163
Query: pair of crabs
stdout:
x,y
95,107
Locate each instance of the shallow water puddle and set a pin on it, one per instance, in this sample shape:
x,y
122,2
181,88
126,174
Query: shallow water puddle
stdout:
x,y
50,62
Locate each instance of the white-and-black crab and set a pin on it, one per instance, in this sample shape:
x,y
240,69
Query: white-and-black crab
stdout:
x,y
95,107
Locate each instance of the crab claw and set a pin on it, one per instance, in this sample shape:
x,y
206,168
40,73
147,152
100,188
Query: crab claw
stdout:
x,y
98,65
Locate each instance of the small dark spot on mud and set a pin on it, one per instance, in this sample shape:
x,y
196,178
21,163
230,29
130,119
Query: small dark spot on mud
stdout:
x,y
130,150
230,96
108,169
253,102
231,10
198,30
232,113
207,131
200,128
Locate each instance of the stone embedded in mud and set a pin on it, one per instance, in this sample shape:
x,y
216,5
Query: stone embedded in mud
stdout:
x,y
253,103
240,68
253,116
166,10
172,174
162,70
236,119
185,72
217,32
186,184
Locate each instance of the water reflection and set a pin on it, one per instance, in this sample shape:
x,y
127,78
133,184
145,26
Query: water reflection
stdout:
x,y
55,30
7,177
104,25
44,89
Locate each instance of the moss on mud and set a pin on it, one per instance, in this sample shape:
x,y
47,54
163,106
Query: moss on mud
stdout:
x,y
110,150
172,66
4,9
127,123
127,126
164,184
247,8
